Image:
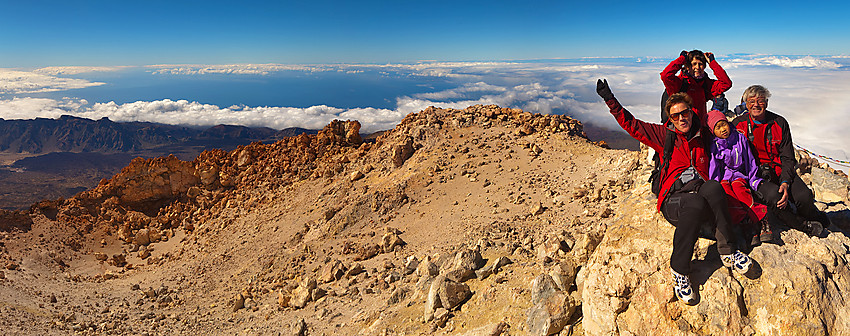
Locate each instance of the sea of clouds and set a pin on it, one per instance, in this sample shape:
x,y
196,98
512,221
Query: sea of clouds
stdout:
x,y
809,91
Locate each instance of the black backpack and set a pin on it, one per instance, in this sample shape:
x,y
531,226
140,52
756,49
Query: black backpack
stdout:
x,y
660,167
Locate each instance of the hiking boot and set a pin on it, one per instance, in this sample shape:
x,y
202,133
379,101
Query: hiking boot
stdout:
x,y
812,228
738,261
682,288
755,240
765,236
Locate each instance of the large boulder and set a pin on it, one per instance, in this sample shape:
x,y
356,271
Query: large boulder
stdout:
x,y
452,294
402,151
154,179
795,289
829,187
552,308
445,293
463,265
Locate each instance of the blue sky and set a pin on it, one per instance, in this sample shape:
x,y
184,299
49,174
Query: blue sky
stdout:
x,y
51,33
193,62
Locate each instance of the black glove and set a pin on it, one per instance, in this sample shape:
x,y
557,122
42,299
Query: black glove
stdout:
x,y
603,90
710,56
683,53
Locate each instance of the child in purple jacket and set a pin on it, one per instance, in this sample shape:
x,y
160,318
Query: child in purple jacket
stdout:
x,y
735,167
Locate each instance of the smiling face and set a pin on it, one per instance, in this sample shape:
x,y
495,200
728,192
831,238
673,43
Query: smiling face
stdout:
x,y
697,67
681,116
722,129
757,105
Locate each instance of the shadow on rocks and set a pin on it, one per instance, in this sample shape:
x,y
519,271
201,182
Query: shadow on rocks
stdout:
x,y
702,269
840,221
755,270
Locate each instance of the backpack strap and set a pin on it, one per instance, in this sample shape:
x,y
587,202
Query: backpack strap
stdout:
x,y
768,136
750,135
660,170
669,141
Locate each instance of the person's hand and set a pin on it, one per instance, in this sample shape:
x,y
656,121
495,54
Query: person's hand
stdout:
x,y
710,56
684,53
783,189
603,90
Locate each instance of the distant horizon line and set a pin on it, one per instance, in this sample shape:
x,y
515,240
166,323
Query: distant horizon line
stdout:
x,y
413,62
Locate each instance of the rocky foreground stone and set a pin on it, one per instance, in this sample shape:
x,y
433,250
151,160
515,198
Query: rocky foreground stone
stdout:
x,y
482,221
797,288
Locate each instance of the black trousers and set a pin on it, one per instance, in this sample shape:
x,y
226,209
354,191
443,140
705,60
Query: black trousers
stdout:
x,y
800,195
688,212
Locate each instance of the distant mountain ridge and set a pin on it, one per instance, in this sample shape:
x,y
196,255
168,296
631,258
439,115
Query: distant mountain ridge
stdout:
x,y
81,135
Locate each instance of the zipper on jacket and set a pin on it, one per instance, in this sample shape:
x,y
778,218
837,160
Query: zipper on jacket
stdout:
x,y
691,154
737,157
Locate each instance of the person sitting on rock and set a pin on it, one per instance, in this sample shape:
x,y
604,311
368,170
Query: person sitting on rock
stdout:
x,y
692,79
688,198
770,137
732,163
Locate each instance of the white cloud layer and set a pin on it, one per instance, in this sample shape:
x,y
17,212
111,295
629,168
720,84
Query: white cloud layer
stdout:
x,y
231,69
26,82
74,70
808,91
808,62
182,112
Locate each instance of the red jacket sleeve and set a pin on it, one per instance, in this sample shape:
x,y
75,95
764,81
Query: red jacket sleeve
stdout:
x,y
722,84
673,83
649,134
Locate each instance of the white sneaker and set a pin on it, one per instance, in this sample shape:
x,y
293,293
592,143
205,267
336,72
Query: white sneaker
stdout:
x,y
682,288
737,261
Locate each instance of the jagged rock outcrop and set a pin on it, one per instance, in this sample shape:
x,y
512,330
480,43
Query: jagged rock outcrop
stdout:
x,y
797,289
168,191
17,219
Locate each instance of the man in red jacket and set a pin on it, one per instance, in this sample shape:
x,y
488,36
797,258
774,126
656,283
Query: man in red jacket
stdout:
x,y
688,198
693,80
770,139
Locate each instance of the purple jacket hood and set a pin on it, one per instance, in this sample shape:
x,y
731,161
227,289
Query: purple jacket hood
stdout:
x,y
732,159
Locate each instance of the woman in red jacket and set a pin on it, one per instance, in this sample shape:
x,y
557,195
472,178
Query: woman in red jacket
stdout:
x,y
692,79
688,198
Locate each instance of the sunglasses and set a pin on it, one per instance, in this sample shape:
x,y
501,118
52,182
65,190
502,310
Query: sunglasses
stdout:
x,y
676,116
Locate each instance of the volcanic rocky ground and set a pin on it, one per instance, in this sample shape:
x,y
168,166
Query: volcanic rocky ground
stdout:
x,y
473,221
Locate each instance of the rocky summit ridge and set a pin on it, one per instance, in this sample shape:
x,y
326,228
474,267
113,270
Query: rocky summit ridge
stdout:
x,y
481,221
81,135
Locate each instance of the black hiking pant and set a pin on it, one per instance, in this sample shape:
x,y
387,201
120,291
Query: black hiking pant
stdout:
x,y
688,212
798,194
